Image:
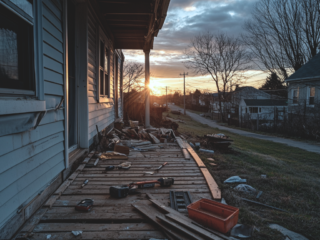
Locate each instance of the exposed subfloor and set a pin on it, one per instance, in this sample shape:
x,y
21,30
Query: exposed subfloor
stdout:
x,y
112,218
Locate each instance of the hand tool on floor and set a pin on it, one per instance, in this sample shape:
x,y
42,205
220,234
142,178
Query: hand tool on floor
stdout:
x,y
85,183
84,205
161,166
124,190
164,182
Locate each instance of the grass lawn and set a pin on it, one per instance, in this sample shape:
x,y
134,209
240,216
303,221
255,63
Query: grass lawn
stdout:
x,y
292,183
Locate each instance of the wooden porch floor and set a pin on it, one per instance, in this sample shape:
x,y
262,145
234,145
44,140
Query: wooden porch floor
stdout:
x,y
113,218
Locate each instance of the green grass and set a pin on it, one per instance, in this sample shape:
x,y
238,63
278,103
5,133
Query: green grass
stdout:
x,y
292,183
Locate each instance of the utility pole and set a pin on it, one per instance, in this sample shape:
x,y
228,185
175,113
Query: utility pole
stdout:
x,y
166,97
184,92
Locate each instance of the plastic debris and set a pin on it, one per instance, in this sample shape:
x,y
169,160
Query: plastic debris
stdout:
x,y
259,194
235,179
49,236
206,150
241,231
263,176
245,188
76,233
223,201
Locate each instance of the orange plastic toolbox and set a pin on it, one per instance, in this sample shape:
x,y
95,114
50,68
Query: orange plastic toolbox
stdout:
x,y
213,214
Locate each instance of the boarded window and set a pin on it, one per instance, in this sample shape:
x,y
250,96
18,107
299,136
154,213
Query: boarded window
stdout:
x,y
104,70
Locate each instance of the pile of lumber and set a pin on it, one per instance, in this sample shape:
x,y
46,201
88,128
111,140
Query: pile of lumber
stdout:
x,y
174,224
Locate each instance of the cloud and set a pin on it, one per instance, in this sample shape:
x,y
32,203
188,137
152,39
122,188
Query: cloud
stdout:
x,y
186,19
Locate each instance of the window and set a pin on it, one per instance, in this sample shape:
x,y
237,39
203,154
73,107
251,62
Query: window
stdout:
x,y
259,110
253,109
104,68
16,47
312,93
295,95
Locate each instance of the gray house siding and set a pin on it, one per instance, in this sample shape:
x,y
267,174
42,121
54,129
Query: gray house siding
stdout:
x,y
100,114
31,160
303,99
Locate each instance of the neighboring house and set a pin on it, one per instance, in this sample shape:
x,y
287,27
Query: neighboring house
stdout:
x,y
262,109
204,99
247,93
304,86
60,76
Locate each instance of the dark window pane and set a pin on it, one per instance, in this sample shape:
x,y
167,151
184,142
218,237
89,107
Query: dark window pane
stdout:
x,y
8,54
25,5
16,52
311,100
101,82
101,54
106,85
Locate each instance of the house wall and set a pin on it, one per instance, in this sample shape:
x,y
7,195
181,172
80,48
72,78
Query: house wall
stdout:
x,y
303,99
100,114
31,160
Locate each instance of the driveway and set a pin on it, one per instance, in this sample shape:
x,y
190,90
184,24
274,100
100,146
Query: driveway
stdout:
x,y
292,143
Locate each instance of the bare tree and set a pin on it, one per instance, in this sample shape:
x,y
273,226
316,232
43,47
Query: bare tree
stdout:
x,y
224,58
132,73
284,34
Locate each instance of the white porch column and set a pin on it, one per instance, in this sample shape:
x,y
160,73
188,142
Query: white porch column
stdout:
x,y
147,81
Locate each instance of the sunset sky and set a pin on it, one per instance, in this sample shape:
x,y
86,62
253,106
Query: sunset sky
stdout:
x,y
186,19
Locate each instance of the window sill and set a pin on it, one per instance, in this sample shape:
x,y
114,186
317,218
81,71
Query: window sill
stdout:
x,y
21,106
312,106
105,99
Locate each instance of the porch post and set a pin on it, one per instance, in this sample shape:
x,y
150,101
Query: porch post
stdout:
x,y
147,81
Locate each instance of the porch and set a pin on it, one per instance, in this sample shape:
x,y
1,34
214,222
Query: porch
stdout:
x,y
112,218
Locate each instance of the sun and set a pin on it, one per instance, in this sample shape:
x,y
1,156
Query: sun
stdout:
x,y
155,88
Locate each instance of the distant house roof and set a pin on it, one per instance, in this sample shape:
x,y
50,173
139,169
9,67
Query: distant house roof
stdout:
x,y
311,70
266,102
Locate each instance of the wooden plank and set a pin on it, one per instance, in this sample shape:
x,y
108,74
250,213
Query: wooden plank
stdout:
x,y
213,186
144,178
89,216
152,214
84,191
178,227
125,172
181,220
180,143
113,174
117,182
171,211
154,139
106,200
104,187
196,158
103,235
88,227
186,154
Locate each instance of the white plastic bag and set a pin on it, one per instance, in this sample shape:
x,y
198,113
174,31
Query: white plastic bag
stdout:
x,y
235,179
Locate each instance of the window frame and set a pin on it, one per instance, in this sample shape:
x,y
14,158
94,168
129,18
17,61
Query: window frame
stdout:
x,y
293,97
36,91
105,97
309,96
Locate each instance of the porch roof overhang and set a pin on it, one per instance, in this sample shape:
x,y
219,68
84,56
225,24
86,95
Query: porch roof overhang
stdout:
x,y
133,24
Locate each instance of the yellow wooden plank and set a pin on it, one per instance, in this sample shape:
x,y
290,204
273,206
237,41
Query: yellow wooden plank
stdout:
x,y
213,186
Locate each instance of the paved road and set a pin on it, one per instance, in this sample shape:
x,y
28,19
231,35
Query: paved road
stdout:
x,y
292,143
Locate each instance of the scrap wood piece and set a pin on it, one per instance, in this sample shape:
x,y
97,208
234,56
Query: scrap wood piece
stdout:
x,y
180,142
96,162
113,155
171,211
122,149
203,232
210,159
180,228
154,138
195,157
151,213
213,186
186,154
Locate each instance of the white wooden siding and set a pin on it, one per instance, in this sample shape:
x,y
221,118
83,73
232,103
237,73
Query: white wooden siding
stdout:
x,y
101,114
31,160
